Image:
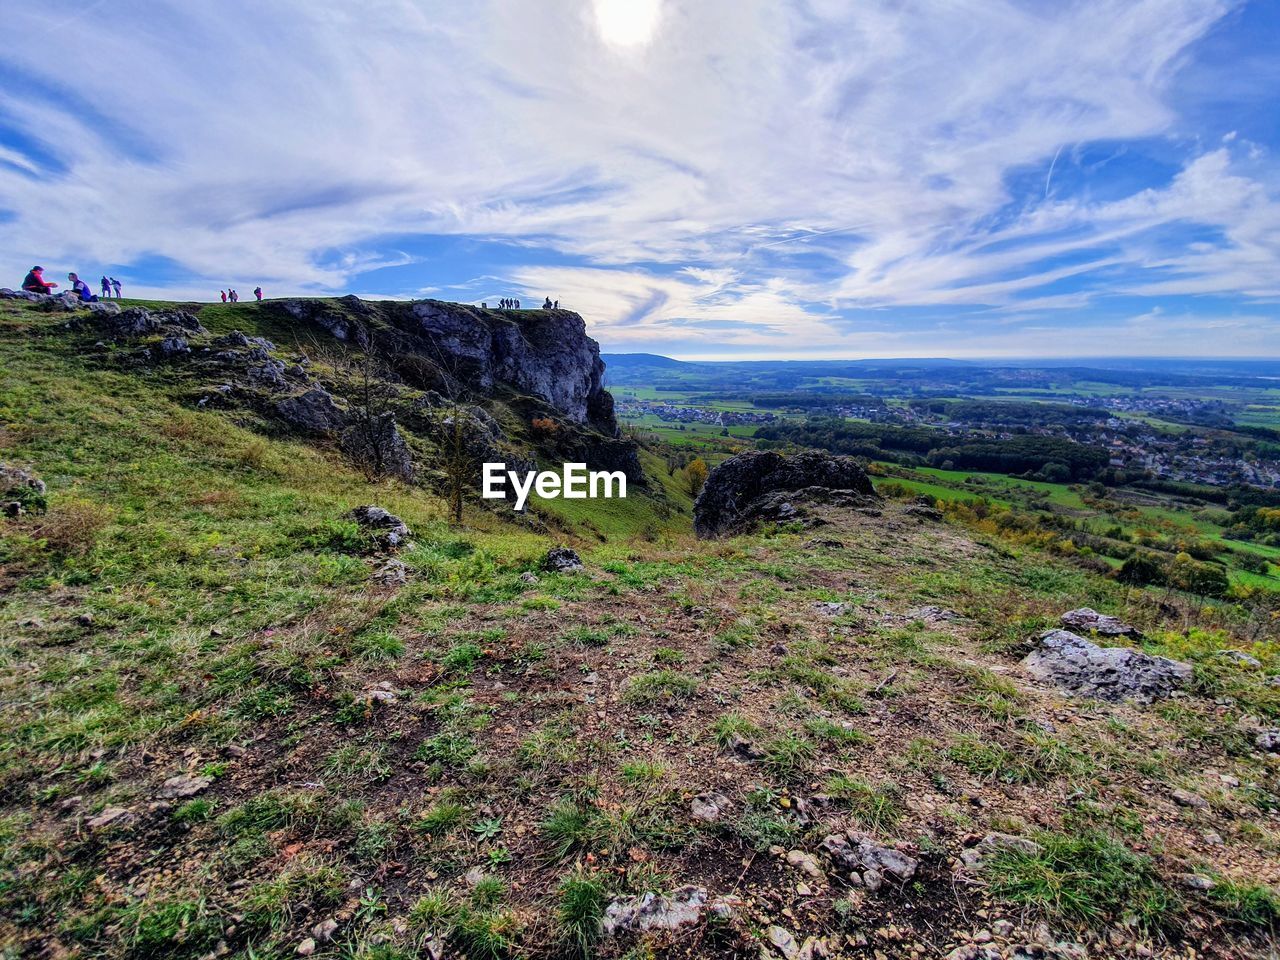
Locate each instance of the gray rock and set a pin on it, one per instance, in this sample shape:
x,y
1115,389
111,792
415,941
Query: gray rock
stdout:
x,y
832,608
7,294
389,531
529,577
379,693
1195,881
975,951
265,371
377,445
744,748
737,492
183,785
709,807
923,513
806,863
976,856
562,560
1268,740
325,929
65,302
649,911
393,573
1240,657
133,322
110,817
858,852
173,346
21,490
1185,798
933,615
1113,674
314,411
783,942
104,307
1091,621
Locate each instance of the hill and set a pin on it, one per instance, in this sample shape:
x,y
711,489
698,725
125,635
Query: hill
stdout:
x,y
237,723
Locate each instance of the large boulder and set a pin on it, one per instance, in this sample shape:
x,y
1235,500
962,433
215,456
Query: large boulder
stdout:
x,y
1080,667
375,442
313,411
763,485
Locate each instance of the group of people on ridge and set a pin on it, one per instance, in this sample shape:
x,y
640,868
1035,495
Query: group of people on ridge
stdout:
x,y
36,283
231,296
509,303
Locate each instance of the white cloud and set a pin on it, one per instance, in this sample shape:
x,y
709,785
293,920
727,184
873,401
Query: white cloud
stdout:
x,y
284,141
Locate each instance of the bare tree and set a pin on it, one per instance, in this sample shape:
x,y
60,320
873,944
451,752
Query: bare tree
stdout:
x,y
371,437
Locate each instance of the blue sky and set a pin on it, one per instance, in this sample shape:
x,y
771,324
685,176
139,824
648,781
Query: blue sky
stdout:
x,y
700,178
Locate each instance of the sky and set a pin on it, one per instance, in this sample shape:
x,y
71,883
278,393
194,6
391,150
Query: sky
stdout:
x,y
699,178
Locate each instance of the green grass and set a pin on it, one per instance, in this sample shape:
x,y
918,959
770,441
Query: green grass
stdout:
x,y
659,686
1084,877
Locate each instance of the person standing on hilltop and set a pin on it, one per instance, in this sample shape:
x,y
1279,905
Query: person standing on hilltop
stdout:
x,y
546,304
106,288
556,306
233,296
36,283
257,292
223,293
517,304
115,285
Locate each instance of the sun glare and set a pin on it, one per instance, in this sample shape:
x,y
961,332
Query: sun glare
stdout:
x,y
627,23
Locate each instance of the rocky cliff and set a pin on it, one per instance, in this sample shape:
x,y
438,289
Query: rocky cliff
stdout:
x,y
543,353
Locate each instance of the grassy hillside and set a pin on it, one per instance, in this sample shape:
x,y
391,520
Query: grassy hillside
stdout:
x,y
478,762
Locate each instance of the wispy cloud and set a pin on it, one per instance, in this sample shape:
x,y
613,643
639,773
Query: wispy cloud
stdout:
x,y
748,175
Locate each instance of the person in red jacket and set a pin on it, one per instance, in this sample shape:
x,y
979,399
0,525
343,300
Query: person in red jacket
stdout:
x,y
36,283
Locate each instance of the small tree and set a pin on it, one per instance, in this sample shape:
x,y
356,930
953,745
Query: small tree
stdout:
x,y
371,437
695,476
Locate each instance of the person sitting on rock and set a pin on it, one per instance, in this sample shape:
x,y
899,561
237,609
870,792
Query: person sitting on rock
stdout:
x,y
81,289
36,283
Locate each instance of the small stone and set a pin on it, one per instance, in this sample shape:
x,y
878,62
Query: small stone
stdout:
x,y
325,929
529,577
474,876
782,941
110,816
806,863
708,807
1268,740
306,948
183,786
1195,881
85,619
1240,657
1185,798
831,608
975,856
1002,928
